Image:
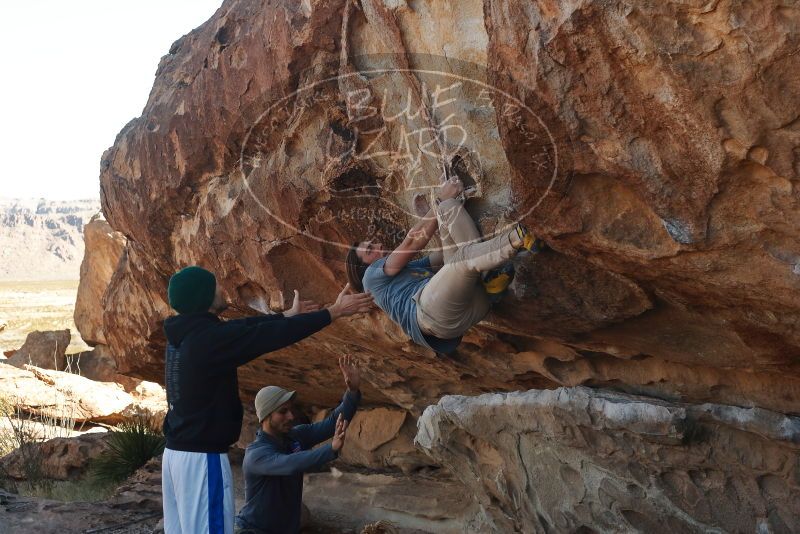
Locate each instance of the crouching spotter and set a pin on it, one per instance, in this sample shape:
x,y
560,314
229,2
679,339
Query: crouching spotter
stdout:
x,y
275,462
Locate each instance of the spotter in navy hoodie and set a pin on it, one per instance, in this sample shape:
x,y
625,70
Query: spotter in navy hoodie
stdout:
x,y
203,352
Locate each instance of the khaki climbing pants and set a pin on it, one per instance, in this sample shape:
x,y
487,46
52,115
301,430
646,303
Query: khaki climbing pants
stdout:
x,y
455,300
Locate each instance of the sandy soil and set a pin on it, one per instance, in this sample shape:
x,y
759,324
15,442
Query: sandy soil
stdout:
x,y
45,305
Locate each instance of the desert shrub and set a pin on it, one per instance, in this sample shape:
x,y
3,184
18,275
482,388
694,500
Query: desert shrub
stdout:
x,y
130,446
19,433
24,431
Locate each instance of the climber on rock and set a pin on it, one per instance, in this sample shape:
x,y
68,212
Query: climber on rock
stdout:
x,y
282,452
204,415
435,310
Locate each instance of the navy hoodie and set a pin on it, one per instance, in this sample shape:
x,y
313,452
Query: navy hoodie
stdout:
x,y
203,352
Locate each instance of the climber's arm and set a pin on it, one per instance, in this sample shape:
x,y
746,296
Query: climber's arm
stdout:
x,y
416,239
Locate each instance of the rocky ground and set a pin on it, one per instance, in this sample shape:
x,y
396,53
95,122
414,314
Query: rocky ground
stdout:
x,y
342,499
339,502
380,476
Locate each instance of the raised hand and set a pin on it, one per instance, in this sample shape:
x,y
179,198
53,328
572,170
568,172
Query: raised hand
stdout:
x,y
450,189
351,372
301,306
349,303
339,433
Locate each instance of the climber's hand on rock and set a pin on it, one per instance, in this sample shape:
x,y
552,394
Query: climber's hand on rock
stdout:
x,y
351,372
450,189
301,306
349,303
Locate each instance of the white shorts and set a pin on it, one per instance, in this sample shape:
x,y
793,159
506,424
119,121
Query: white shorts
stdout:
x,y
197,490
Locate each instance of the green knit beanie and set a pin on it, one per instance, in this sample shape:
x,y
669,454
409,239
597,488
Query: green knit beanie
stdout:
x,y
192,290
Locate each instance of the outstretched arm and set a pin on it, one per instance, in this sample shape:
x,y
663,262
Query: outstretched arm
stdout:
x,y
235,343
277,464
418,237
310,435
250,321
273,463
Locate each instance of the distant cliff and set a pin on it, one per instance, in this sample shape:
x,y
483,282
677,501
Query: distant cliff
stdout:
x,y
42,239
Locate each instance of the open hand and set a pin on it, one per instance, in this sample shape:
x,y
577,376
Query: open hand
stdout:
x,y
301,306
349,303
351,372
339,433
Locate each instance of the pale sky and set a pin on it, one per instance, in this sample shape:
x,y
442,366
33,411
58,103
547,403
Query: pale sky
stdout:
x,y
73,74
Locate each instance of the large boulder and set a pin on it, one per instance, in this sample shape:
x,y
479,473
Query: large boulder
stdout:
x,y
652,145
644,143
149,398
103,249
97,364
45,350
66,398
62,458
382,438
420,502
577,459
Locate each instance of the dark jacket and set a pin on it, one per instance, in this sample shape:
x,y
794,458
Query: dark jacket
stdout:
x,y
205,412
273,472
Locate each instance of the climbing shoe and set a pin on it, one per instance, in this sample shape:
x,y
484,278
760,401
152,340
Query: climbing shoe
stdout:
x,y
529,242
496,282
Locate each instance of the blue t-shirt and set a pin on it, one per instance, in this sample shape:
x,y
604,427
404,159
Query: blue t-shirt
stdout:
x,y
395,295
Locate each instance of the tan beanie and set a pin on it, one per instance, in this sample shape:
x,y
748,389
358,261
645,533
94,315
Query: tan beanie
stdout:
x,y
269,399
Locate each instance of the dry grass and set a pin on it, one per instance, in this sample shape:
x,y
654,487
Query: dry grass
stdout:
x,y
87,489
24,432
43,305
29,306
132,444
